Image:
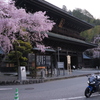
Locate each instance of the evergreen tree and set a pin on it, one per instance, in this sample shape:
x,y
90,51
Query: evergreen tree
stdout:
x,y
23,50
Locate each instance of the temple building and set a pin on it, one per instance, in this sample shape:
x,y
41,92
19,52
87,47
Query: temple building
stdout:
x,y
64,39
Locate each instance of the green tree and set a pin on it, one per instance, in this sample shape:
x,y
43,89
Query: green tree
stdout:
x,y
89,34
20,53
84,15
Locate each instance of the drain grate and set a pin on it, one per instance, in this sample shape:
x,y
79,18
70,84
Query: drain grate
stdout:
x,y
29,88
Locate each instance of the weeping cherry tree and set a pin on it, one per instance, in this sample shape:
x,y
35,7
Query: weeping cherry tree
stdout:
x,y
16,23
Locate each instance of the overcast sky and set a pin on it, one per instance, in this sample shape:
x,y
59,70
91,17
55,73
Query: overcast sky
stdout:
x,y
92,6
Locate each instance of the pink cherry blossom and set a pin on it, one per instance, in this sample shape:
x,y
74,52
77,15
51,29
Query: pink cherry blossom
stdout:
x,y
12,21
96,51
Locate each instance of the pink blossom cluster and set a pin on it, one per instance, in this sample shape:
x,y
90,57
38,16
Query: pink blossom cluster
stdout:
x,y
96,51
13,21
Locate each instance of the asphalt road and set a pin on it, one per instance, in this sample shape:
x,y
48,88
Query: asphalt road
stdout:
x,y
67,89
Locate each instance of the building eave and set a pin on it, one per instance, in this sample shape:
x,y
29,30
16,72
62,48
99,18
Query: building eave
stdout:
x,y
50,7
72,40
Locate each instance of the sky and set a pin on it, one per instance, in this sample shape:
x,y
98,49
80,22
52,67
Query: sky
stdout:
x,y
92,6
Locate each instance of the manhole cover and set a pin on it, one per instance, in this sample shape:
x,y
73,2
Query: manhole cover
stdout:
x,y
29,88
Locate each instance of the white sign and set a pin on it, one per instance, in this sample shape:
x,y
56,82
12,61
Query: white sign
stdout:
x,y
22,73
60,64
69,59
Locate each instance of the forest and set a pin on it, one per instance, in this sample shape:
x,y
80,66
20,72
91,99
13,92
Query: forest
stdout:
x,y
86,16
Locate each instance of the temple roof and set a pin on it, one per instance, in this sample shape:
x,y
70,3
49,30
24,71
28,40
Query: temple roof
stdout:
x,y
71,40
43,5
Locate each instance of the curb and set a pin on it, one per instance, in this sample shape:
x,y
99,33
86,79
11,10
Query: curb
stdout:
x,y
61,78
17,82
34,81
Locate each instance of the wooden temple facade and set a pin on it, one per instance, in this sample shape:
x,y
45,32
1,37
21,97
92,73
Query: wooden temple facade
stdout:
x,y
64,39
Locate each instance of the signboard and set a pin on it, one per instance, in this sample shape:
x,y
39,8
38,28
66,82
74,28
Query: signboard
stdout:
x,y
60,64
43,60
31,57
61,23
69,59
48,61
40,60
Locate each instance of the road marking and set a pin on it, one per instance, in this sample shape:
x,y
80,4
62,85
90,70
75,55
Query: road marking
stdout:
x,y
75,98
5,89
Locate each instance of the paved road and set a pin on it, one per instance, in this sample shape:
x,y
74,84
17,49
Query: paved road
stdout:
x,y
93,97
67,89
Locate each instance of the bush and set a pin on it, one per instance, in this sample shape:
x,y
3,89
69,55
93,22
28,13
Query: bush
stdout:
x,y
33,72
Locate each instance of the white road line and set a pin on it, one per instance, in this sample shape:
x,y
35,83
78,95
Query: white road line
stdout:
x,y
75,98
72,98
5,89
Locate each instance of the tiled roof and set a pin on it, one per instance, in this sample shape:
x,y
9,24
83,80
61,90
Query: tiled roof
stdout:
x,y
70,39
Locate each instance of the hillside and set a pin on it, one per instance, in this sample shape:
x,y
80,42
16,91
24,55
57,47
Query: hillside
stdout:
x,y
86,16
